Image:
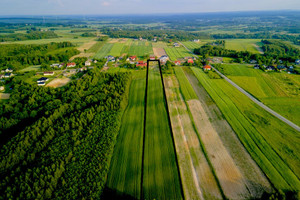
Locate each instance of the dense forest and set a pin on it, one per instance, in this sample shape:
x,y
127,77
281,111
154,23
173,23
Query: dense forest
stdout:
x,y
30,35
17,56
64,137
280,49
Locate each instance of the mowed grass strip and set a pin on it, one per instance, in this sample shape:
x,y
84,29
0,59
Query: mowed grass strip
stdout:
x,y
126,165
243,45
270,142
116,49
185,86
177,52
104,51
193,45
140,48
160,180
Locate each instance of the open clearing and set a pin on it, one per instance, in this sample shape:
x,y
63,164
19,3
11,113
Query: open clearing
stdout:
x,y
197,178
58,82
4,95
158,52
243,45
279,91
31,68
265,137
177,53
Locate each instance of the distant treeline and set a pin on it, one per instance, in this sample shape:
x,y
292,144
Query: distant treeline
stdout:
x,y
63,138
18,55
293,38
30,35
165,35
83,30
273,52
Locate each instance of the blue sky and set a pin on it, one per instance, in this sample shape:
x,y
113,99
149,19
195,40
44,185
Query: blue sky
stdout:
x,y
102,7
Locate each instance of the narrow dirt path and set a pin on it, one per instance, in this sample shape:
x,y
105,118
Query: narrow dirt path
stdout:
x,y
198,180
255,180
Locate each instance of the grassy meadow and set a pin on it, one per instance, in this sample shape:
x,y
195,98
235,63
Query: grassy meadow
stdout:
x,y
185,86
270,142
243,45
175,53
279,91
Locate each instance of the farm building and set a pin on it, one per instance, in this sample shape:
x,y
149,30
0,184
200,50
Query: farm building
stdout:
x,y
176,44
207,68
196,40
87,63
7,75
141,64
41,83
48,73
71,64
43,79
190,61
177,62
132,58
55,65
152,57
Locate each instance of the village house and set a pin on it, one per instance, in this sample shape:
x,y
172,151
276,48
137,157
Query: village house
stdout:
x,y
41,80
177,62
152,57
207,68
55,65
48,73
87,63
253,61
256,67
141,64
95,61
176,44
190,61
281,68
163,59
270,68
297,62
196,40
110,58
7,75
71,65
41,83
132,58
10,70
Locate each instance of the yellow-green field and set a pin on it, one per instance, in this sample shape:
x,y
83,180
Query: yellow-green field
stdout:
x,y
243,45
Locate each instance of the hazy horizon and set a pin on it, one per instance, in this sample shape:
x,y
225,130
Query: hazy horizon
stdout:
x,y
117,7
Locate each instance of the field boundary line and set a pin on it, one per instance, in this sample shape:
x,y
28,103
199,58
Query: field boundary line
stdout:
x,y
260,104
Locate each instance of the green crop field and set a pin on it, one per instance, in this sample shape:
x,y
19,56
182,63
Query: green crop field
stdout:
x,y
271,143
243,45
140,48
117,48
126,166
280,91
193,45
104,51
161,180
185,87
177,52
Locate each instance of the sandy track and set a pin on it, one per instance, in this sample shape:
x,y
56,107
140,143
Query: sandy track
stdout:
x,y
230,177
197,178
4,95
158,52
256,181
58,82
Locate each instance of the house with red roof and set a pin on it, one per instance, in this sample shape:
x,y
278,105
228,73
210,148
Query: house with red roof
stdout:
x,y
207,67
71,64
190,61
48,73
177,62
141,64
132,58
152,57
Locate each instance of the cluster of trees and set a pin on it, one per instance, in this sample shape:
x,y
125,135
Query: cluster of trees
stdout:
x,y
63,151
164,35
88,34
273,52
30,35
280,49
17,56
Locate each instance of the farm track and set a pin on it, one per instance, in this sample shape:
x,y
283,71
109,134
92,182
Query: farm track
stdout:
x,y
197,178
254,179
291,124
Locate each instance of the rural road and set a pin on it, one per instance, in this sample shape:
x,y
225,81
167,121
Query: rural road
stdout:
x,y
285,120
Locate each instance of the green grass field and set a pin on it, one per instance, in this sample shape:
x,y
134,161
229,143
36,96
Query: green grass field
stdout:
x,y
31,68
185,86
177,52
140,48
193,45
117,49
161,180
104,51
243,45
280,91
126,166
271,143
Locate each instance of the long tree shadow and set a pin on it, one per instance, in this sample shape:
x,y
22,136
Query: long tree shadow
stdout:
x,y
112,194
